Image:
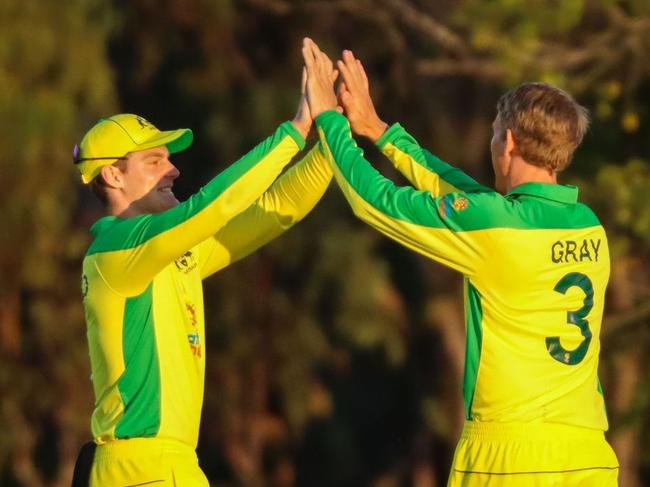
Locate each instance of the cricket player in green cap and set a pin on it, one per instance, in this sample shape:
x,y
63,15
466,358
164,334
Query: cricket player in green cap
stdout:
x,y
142,282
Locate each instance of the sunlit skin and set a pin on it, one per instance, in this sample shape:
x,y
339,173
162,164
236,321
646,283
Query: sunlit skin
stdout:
x,y
145,185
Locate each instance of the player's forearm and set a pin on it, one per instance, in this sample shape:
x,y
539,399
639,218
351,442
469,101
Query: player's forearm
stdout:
x,y
287,202
155,240
424,170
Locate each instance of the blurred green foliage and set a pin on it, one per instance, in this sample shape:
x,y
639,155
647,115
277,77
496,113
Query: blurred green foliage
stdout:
x,y
334,356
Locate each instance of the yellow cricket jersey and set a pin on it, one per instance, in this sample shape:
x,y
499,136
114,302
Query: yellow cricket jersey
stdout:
x,y
536,265
142,286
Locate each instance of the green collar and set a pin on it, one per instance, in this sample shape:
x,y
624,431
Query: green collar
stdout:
x,y
555,192
102,224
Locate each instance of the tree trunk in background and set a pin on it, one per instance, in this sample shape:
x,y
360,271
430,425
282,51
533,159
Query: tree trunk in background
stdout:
x,y
10,332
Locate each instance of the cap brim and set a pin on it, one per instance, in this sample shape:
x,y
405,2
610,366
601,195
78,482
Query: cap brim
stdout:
x,y
174,140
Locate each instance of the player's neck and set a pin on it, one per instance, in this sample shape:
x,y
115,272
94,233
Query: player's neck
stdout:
x,y
522,172
122,209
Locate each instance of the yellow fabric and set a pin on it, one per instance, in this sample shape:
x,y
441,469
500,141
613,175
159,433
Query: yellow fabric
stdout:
x,y
146,461
531,455
419,176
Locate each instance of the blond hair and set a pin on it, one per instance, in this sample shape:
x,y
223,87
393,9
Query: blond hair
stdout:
x,y
546,123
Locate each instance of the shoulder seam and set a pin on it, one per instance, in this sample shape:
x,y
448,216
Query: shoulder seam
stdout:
x,y
122,295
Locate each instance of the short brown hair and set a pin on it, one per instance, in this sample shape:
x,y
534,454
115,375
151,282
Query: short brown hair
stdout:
x,y
98,184
546,122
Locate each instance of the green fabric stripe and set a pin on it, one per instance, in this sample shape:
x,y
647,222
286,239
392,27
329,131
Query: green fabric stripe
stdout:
x,y
295,135
483,210
130,233
389,135
474,318
406,143
600,391
139,386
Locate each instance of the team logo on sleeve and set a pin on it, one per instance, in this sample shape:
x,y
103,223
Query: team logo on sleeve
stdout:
x,y
447,205
459,203
186,262
195,343
84,285
191,312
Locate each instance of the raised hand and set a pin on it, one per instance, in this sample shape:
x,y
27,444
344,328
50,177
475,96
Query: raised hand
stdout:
x,y
320,79
354,95
303,120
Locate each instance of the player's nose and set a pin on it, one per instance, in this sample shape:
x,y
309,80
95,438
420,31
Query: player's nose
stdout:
x,y
172,171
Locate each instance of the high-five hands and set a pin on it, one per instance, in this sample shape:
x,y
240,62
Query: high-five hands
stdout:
x,y
354,95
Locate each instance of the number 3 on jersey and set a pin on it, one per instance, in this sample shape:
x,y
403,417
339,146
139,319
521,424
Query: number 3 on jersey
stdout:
x,y
553,345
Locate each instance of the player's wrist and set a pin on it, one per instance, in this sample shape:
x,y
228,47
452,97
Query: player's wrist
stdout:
x,y
375,130
303,127
322,109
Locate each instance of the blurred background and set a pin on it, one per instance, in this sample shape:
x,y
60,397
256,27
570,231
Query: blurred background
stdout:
x,y
334,356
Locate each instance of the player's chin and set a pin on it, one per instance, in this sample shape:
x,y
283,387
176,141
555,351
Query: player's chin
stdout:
x,y
167,201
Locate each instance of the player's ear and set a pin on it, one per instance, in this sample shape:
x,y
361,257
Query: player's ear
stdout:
x,y
511,144
112,176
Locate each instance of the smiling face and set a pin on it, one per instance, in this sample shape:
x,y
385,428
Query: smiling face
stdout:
x,y
147,181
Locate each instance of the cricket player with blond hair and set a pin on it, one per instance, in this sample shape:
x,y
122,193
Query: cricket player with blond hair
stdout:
x,y
535,263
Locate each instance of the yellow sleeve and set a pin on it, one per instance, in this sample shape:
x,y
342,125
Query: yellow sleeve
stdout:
x,y
130,252
424,170
287,202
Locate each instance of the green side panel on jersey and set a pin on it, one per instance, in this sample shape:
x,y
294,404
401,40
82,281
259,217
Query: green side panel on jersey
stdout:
x,y
139,386
600,391
129,233
474,341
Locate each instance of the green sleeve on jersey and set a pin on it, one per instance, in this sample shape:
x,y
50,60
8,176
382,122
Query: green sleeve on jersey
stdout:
x,y
287,202
424,170
132,251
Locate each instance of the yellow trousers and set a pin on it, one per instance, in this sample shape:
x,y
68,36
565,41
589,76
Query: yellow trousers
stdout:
x,y
532,455
151,462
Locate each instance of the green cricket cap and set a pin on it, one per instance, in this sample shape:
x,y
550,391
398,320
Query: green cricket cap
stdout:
x,y
112,138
